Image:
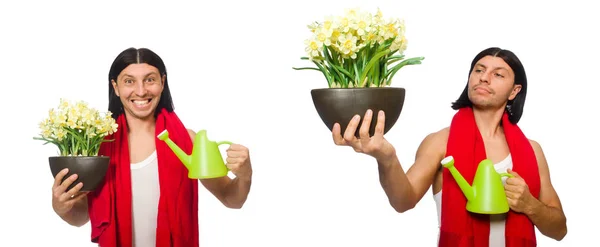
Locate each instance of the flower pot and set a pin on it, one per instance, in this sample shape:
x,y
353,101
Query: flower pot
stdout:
x,y
341,104
89,169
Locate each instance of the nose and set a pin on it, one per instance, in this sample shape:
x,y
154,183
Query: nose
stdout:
x,y
140,89
485,77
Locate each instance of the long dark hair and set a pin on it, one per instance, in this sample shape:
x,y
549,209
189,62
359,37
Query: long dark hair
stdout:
x,y
137,56
514,107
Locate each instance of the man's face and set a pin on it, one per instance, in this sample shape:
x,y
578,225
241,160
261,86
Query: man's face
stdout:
x,y
491,83
139,87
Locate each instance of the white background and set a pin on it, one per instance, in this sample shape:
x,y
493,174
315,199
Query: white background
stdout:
x,y
230,70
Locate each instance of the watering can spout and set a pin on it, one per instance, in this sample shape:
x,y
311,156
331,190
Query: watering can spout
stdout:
x,y
448,162
184,157
202,136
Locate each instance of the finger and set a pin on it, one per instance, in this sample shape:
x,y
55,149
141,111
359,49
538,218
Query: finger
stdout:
x,y
514,173
71,193
232,166
511,195
80,195
380,126
365,126
511,202
237,154
63,187
513,181
59,177
231,160
236,147
350,130
336,134
510,187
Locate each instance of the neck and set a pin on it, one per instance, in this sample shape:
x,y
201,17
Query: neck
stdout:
x,y
488,121
136,125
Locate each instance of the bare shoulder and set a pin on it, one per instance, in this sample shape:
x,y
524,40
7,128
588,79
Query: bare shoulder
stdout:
x,y
435,143
536,146
539,154
438,138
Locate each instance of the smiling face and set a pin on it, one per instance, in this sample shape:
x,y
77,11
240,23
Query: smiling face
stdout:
x,y
491,83
139,87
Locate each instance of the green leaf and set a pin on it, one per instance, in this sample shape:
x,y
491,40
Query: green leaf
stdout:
x,y
411,61
374,60
393,59
325,72
305,68
342,70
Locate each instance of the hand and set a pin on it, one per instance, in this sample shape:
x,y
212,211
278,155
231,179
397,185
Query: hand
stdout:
x,y
238,161
62,200
517,193
376,146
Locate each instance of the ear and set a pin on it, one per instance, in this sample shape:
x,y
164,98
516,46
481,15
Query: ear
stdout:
x,y
516,89
114,84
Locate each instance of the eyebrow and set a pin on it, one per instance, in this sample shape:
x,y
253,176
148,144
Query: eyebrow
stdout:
x,y
146,75
481,65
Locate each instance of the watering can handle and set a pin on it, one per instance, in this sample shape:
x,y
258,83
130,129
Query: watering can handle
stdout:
x,y
506,174
224,142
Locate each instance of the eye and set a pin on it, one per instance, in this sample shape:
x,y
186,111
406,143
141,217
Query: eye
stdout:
x,y
499,75
128,81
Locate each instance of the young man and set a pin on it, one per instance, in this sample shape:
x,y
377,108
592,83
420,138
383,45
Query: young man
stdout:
x,y
147,198
485,126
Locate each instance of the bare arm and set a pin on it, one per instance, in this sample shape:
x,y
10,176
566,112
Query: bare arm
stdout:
x,y
546,212
404,191
232,192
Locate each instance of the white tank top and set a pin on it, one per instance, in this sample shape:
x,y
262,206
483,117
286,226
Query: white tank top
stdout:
x,y
145,194
496,220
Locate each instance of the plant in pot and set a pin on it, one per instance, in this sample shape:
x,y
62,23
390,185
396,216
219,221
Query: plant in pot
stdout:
x,y
358,53
77,130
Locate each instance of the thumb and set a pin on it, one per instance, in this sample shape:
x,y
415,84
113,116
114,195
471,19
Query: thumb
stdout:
x,y
513,173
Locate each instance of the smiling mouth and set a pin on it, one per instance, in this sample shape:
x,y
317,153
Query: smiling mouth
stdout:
x,y
141,102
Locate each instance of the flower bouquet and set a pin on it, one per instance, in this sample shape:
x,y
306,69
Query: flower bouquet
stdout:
x,y
358,53
78,130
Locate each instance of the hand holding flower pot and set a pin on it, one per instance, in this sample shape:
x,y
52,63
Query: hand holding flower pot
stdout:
x,y
77,131
359,54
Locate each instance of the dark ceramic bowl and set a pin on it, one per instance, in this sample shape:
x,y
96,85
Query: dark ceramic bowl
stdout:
x,y
339,105
89,169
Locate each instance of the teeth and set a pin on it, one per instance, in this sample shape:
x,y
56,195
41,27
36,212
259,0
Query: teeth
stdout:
x,y
141,102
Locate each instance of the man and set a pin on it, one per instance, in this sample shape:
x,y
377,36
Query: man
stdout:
x,y
485,126
147,198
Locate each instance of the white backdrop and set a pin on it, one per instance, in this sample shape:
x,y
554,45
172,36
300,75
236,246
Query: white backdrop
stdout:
x,y
230,71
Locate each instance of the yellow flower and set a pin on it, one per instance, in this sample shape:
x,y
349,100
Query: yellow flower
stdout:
x,y
76,128
343,39
313,47
347,44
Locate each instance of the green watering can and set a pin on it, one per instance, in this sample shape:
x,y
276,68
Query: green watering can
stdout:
x,y
205,161
486,195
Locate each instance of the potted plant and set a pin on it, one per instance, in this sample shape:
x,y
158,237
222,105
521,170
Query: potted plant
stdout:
x,y
77,130
358,53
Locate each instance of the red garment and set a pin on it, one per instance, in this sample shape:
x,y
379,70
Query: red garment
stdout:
x,y
460,227
110,205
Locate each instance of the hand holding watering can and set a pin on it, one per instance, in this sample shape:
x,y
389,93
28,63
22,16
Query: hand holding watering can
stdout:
x,y
206,161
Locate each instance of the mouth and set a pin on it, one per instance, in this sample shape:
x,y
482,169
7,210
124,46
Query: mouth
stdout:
x,y
141,103
482,89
